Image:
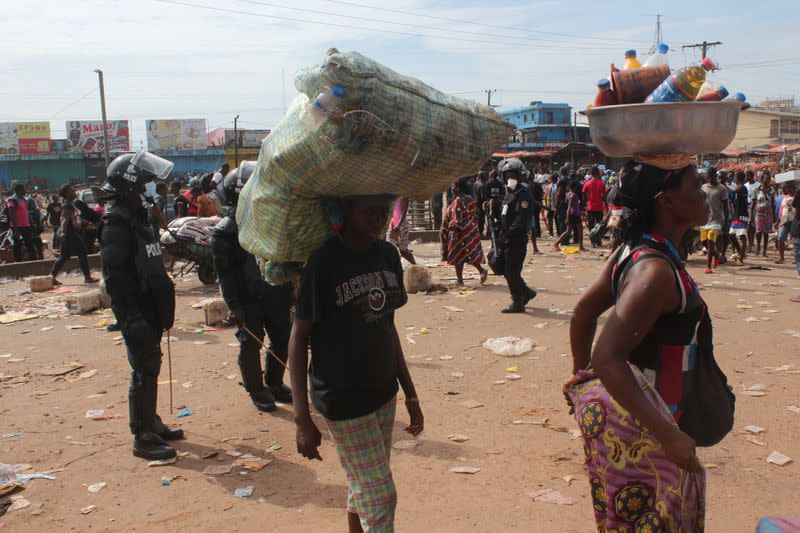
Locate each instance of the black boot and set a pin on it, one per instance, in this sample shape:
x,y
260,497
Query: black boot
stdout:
x,y
263,400
142,397
513,308
152,447
530,294
250,365
274,380
166,432
281,392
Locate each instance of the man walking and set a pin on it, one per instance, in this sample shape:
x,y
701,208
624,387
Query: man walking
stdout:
x,y
20,224
515,217
594,190
717,196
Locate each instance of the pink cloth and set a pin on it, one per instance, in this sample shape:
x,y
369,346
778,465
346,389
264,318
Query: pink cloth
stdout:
x,y
21,215
400,208
634,487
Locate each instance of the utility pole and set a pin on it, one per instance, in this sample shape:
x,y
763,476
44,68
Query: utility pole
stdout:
x,y
236,141
705,45
103,111
658,38
489,93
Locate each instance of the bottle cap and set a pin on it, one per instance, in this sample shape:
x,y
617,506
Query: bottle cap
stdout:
x,y
663,48
707,64
740,97
603,84
723,92
337,91
630,53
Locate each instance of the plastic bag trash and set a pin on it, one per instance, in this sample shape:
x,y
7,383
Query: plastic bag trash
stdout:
x,y
97,487
88,509
513,377
243,492
446,358
19,503
458,438
754,429
184,412
470,404
779,459
164,462
509,346
793,408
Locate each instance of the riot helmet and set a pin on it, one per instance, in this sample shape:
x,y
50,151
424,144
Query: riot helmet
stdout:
x,y
514,166
129,172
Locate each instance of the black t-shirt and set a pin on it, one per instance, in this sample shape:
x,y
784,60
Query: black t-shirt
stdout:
x,y
741,206
181,200
351,298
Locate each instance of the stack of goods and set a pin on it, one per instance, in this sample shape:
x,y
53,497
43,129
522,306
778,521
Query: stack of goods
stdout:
x,y
648,110
652,82
358,128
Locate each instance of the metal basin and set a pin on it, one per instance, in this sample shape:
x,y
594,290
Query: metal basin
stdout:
x,y
684,127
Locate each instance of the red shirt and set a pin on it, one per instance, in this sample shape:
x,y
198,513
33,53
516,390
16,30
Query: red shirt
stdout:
x,y
192,210
595,189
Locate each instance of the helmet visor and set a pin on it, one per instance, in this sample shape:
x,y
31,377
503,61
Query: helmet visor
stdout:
x,y
145,162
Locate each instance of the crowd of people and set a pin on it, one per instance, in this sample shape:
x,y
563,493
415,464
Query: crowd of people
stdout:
x,y
633,390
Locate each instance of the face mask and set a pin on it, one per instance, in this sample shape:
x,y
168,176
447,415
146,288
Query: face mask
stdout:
x,y
150,189
512,184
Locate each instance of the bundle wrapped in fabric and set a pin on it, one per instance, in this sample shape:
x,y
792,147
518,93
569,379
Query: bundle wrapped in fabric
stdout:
x,y
357,128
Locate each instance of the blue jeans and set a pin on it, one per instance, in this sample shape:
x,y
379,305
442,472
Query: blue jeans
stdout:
x,y
796,242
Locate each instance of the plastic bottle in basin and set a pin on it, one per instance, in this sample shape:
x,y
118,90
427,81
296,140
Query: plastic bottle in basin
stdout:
x,y
630,60
711,92
683,85
659,57
605,96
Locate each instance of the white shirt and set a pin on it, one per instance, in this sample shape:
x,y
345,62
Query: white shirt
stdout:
x,y
751,188
217,179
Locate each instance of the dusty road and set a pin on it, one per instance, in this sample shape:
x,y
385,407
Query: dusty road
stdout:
x,y
43,423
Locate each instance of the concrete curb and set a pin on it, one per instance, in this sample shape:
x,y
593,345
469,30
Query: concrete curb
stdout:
x,y
42,268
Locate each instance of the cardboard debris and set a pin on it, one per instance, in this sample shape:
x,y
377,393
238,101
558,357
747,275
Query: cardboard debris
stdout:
x,y
551,496
465,470
217,470
254,464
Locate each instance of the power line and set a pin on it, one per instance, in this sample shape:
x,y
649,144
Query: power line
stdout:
x,y
74,102
393,22
458,21
705,45
348,26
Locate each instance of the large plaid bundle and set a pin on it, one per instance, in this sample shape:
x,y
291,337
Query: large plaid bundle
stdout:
x,y
389,134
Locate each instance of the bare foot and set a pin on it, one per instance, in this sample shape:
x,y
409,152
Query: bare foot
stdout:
x,y
557,248
484,275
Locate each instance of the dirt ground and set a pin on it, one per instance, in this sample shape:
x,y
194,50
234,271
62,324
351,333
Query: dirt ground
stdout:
x,y
43,423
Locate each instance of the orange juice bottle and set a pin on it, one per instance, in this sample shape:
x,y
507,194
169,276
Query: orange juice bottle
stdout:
x,y
630,60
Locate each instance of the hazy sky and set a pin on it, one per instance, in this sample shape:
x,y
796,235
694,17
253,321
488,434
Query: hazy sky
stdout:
x,y
214,59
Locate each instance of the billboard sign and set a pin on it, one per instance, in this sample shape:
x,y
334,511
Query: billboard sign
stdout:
x,y
86,136
247,138
182,134
24,138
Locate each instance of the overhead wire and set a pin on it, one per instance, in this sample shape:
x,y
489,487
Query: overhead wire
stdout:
x,y
396,23
496,26
348,26
76,101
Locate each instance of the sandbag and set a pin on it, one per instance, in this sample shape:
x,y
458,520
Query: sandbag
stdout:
x,y
382,133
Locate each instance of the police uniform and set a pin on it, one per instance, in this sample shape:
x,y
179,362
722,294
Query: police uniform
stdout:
x,y
494,190
266,309
143,301
515,219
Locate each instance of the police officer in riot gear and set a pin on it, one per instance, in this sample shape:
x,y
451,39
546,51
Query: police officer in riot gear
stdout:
x,y
515,218
142,294
254,304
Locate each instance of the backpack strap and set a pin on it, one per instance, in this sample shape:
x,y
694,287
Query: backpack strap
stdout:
x,y
641,252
